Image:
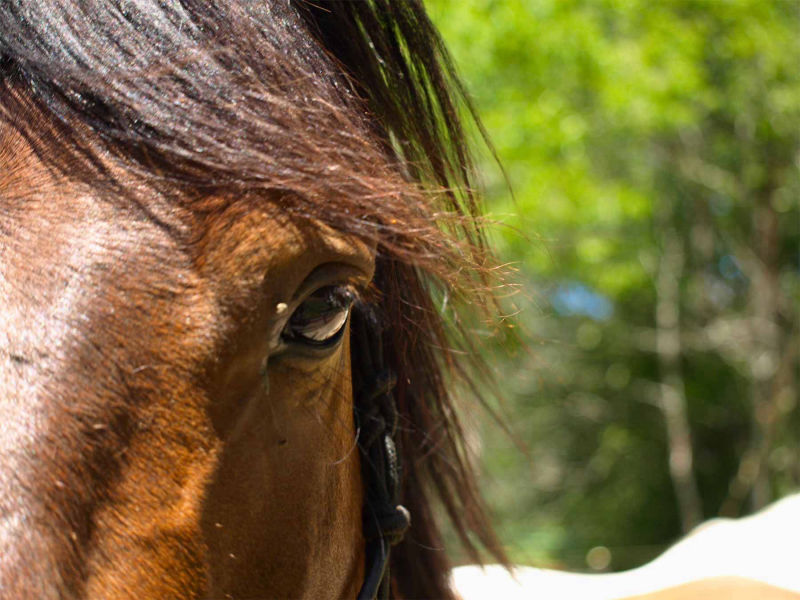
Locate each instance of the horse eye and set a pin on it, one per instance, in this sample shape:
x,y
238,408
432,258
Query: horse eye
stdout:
x,y
320,319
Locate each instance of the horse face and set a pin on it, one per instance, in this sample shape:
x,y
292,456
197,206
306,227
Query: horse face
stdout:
x,y
162,436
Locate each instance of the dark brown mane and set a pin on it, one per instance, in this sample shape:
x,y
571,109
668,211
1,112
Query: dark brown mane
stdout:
x,y
347,112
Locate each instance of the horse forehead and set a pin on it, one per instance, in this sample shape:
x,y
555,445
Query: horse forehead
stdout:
x,y
77,270
61,247
85,294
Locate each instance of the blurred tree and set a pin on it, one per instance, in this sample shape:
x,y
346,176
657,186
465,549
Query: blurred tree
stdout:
x,y
654,152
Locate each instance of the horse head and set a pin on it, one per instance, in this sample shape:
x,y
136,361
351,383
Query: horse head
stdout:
x,y
192,197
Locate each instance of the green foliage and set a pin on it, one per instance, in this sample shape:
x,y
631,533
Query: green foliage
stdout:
x,y
650,146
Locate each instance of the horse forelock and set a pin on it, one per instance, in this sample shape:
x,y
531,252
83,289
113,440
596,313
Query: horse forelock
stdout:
x,y
229,95
288,101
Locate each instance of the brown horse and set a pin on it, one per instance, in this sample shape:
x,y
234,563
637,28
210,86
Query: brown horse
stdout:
x,y
191,196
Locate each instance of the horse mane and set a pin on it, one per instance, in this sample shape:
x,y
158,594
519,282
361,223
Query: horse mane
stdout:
x,y
399,63
345,112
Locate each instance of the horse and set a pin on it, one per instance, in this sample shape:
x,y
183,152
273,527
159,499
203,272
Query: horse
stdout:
x,y
198,201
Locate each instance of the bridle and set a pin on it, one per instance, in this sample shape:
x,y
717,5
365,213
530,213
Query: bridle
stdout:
x,y
385,520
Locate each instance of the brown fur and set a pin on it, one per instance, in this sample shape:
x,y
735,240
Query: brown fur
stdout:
x,y
160,466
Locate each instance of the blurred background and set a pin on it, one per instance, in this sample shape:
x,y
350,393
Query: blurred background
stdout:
x,y
654,153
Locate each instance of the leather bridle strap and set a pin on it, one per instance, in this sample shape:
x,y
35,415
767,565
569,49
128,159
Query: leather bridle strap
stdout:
x,y
385,521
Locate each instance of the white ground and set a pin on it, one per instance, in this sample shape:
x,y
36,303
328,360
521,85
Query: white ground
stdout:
x,y
764,546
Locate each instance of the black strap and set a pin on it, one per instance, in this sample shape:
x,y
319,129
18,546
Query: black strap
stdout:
x,y
385,521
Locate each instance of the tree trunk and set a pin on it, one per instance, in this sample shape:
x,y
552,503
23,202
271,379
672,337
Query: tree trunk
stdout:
x,y
753,478
672,394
